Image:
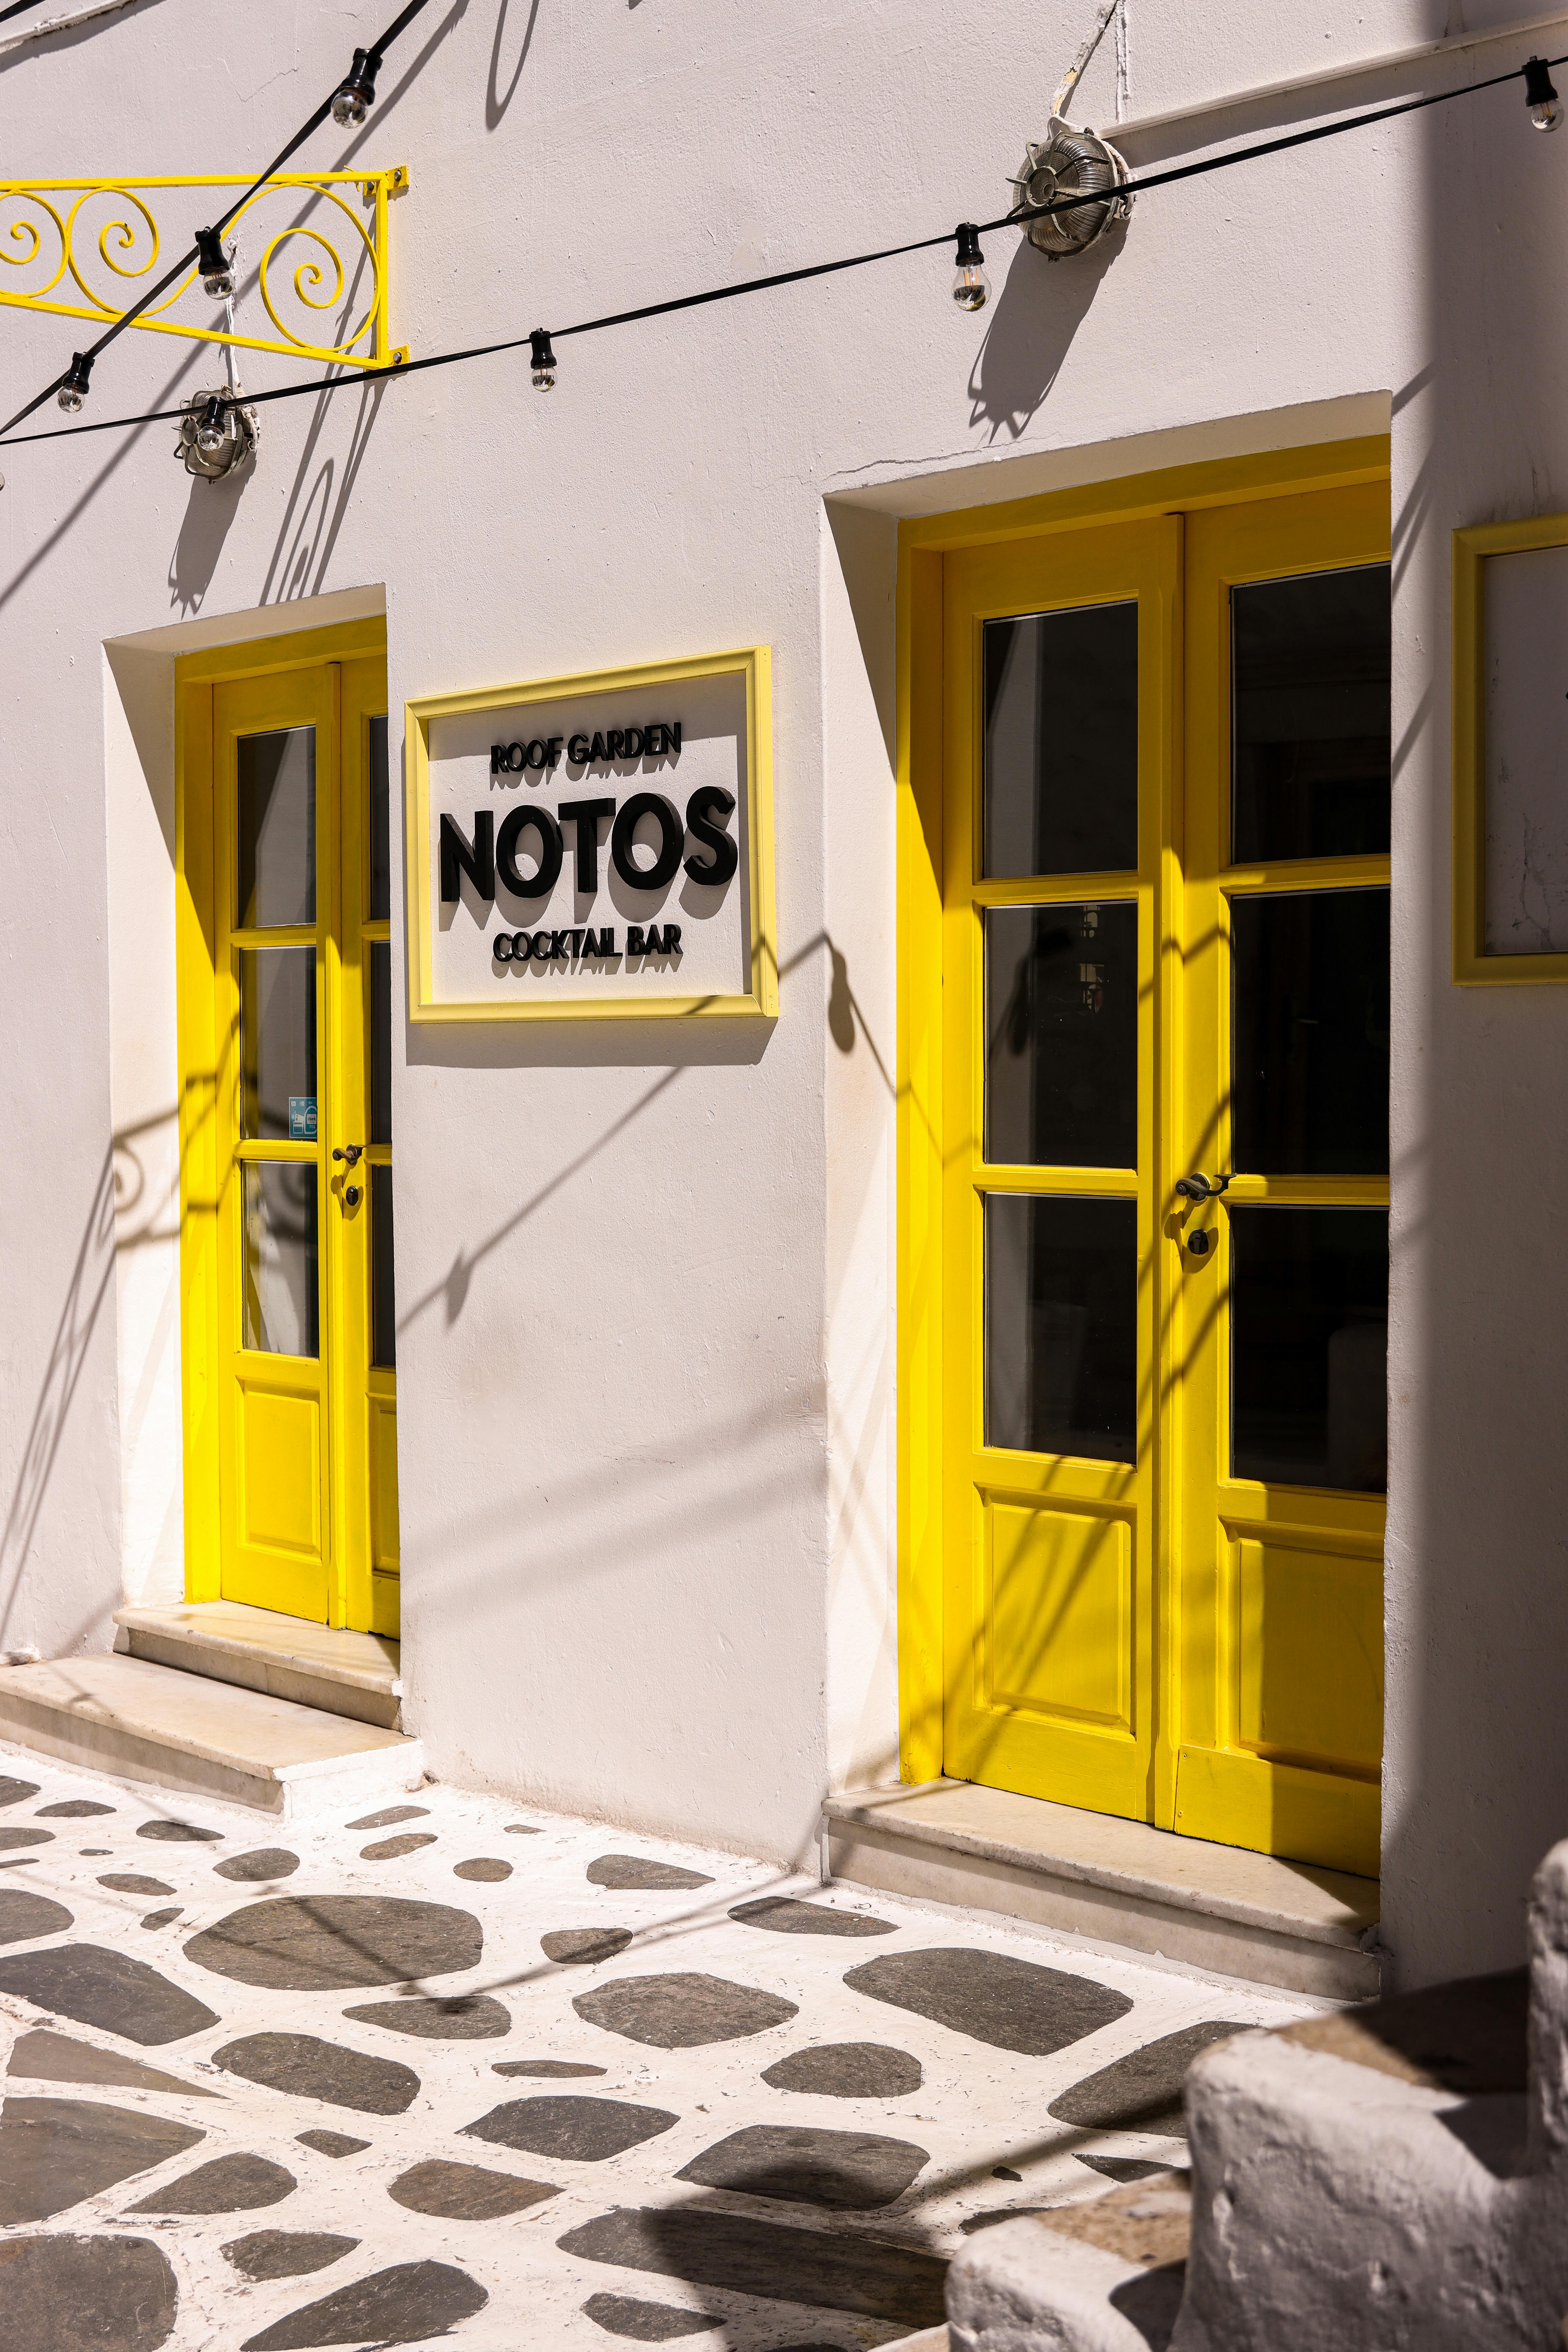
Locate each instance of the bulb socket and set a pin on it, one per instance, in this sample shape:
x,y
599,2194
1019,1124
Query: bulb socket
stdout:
x,y
1538,90
78,384
969,254
216,266
544,359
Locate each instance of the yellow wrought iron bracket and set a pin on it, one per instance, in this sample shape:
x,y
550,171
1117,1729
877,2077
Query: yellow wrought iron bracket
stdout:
x,y
51,229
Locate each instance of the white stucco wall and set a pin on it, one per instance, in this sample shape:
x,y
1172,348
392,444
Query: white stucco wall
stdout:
x,y
649,1572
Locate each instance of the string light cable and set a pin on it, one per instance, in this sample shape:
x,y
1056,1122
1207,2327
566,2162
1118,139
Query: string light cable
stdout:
x,y
1540,98
348,105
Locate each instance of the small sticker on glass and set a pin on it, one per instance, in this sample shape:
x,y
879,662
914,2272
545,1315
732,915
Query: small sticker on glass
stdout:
x,y
301,1118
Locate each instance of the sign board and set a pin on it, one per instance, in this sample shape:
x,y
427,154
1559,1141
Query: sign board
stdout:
x,y
595,847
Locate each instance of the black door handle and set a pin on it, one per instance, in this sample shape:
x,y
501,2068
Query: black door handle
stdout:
x,y
1199,1187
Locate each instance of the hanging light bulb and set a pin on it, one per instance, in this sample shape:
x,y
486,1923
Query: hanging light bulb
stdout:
x,y
212,428
544,360
78,384
215,265
356,96
1545,112
970,285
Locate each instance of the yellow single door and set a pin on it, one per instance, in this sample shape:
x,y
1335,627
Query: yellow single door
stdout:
x,y
285,826
1165,1153
1281,1363
1060,690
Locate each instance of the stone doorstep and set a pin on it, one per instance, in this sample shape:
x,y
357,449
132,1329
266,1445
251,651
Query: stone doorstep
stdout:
x,y
341,1673
1121,1883
143,1722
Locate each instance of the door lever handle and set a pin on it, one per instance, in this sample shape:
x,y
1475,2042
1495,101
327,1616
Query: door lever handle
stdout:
x,y
348,1151
1199,1187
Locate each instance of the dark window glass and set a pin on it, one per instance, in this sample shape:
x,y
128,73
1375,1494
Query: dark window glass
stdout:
x,y
378,956
1309,1081
276,828
382,1296
1061,1036
1310,668
282,1309
1309,1300
380,906
1061,742
278,1043
1062,1326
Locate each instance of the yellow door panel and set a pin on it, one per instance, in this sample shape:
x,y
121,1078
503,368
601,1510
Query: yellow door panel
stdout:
x,y
279,1467
383,1487
283,912
1058,1614
1310,1655
1310,1816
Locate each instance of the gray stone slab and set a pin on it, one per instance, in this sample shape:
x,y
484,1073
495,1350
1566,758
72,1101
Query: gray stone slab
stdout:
x,y
392,1849
162,1918
524,1829
266,1862
841,2271
108,1990
44,2056
645,2322
332,2142
13,1791
785,1916
308,2068
132,1882
556,2069
55,2152
464,2017
582,1947
1127,2168
682,2012
73,1809
338,1943
229,2184
584,2130
388,1814
1002,2213
87,2295
286,2254
1144,2091
991,1997
172,1833
488,1869
853,2172
466,2192
15,1833
847,2070
25,1917
634,1870
401,2305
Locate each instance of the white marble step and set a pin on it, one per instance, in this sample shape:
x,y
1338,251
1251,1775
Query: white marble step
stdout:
x,y
1122,1883
324,1666
182,1731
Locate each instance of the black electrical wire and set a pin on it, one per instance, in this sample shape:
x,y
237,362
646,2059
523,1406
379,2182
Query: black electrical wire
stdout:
x,y
1134,185
127,317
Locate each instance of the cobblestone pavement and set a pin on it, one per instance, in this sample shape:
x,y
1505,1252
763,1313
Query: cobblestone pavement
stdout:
x,y
462,2071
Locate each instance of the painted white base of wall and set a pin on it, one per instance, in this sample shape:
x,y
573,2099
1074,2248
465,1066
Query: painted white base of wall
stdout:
x,y
148,1723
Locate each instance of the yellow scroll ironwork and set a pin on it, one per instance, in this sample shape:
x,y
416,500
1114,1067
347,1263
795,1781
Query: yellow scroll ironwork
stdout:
x,y
311,250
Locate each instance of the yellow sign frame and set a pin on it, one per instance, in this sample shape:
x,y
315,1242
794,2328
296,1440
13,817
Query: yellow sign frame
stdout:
x,y
754,663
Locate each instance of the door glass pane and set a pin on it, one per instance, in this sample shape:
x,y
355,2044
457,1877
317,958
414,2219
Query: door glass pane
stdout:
x,y
1061,1036
383,1298
278,828
1061,742
380,906
1308,1299
1310,662
280,1255
378,957
1310,1041
1062,1326
278,1043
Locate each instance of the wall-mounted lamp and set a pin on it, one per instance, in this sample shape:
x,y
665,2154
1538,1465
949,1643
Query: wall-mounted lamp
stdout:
x,y
218,435
1068,162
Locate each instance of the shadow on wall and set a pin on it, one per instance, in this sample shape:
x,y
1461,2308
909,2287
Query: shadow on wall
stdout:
x,y
209,510
495,103
1035,314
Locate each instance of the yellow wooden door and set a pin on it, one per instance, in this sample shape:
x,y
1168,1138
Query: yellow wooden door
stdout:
x,y
1165,880
1060,671
1281,1334
286,973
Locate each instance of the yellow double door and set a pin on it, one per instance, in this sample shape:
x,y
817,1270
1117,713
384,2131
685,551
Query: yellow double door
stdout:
x,y
1164,838
285,1004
